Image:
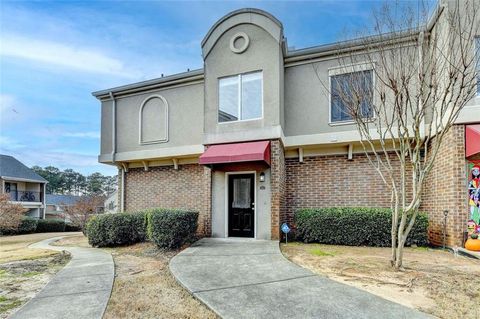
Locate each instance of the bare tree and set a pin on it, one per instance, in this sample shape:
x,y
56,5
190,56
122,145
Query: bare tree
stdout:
x,y
404,88
83,209
11,214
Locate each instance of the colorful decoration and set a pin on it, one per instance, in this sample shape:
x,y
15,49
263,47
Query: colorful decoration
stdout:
x,y
473,244
474,194
473,225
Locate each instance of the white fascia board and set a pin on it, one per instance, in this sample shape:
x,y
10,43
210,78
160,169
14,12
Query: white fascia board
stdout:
x,y
170,152
18,179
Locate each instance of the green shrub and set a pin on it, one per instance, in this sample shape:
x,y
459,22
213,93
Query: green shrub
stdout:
x,y
72,227
27,226
116,229
354,227
50,225
170,228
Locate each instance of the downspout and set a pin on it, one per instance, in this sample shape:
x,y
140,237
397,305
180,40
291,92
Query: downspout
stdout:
x,y
122,193
44,199
114,149
114,126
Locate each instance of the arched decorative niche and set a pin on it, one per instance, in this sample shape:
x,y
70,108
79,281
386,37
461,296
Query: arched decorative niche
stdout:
x,y
257,17
153,120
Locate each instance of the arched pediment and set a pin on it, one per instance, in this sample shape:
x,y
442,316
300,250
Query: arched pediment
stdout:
x,y
257,17
153,120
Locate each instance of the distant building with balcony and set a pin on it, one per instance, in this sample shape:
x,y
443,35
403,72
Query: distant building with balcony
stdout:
x,y
24,186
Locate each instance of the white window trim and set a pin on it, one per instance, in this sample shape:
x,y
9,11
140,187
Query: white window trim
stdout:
x,y
345,69
227,174
239,77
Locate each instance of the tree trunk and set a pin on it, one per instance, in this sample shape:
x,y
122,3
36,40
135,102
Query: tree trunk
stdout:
x,y
394,239
399,256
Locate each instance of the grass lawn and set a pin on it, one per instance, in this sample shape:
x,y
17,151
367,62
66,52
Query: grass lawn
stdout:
x,y
434,281
25,271
144,286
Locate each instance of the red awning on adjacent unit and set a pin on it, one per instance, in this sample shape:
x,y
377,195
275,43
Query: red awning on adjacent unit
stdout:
x,y
472,139
236,153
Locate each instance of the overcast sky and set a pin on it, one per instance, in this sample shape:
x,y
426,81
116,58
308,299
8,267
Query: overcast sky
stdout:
x,y
54,54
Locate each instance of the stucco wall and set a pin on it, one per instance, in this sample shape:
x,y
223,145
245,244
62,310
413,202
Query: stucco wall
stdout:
x,y
262,203
263,54
185,120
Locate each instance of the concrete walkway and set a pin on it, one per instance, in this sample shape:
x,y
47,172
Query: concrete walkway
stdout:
x,y
80,290
240,278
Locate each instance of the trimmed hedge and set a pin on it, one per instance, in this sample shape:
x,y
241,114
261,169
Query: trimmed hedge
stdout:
x,y
27,226
169,228
116,229
72,227
50,225
354,227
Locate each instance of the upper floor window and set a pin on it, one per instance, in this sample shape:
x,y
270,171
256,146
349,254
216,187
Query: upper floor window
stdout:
x,y
11,188
347,89
240,97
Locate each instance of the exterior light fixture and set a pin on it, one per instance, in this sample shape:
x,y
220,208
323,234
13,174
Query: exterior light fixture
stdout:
x,y
262,177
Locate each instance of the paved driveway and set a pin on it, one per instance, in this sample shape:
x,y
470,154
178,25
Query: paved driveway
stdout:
x,y
80,290
246,278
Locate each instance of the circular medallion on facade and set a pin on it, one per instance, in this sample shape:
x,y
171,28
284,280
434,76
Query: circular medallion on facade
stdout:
x,y
239,42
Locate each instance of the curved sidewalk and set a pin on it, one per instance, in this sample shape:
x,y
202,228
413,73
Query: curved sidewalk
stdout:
x,y
245,278
80,290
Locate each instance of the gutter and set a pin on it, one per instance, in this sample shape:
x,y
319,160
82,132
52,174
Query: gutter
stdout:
x,y
178,78
343,46
19,179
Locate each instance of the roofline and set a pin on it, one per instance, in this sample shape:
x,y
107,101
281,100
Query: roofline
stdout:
x,y
171,79
334,47
289,56
240,11
10,178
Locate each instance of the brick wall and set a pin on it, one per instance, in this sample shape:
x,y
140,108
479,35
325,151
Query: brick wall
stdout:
x,y
188,187
334,181
278,188
446,188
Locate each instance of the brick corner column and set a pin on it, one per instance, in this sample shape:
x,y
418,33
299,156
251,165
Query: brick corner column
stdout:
x,y
278,188
446,189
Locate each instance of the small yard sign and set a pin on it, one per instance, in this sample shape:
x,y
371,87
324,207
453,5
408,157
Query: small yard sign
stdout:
x,y
285,229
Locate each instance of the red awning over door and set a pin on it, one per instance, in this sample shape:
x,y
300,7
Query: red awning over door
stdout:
x,y
472,139
236,153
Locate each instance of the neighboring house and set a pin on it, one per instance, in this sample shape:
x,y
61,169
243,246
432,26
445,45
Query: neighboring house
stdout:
x,y
111,203
24,186
252,136
56,205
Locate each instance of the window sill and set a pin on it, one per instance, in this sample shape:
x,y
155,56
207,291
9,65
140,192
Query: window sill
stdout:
x,y
240,121
340,123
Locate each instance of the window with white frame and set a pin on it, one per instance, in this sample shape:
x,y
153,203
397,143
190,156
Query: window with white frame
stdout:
x,y
240,97
346,89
